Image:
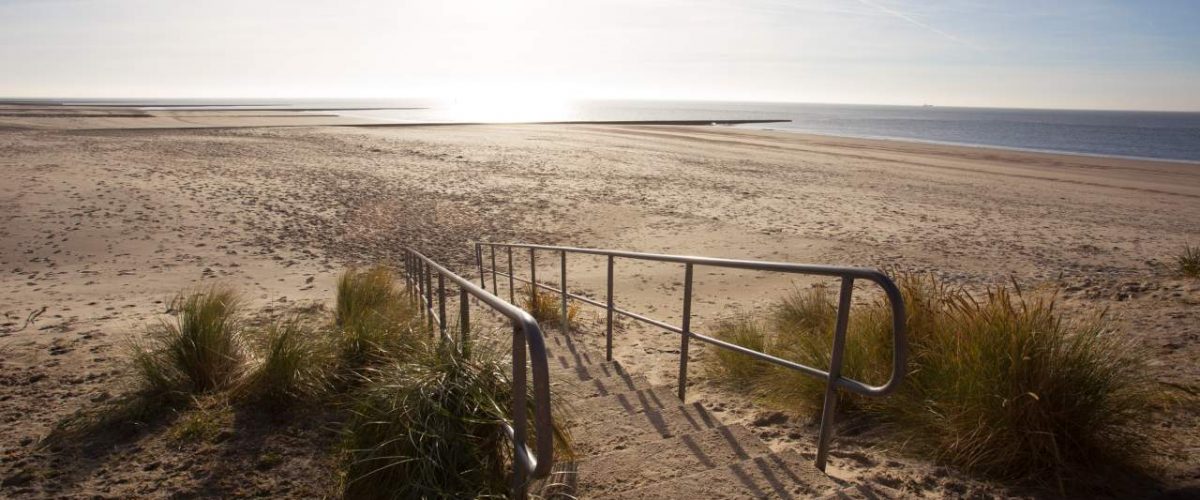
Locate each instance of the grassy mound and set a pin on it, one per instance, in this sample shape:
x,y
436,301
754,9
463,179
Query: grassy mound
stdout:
x,y
746,331
430,426
374,319
422,415
297,364
1003,385
200,351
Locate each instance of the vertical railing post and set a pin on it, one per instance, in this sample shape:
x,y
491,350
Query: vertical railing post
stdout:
x,y
687,331
429,294
609,324
533,287
835,372
408,273
495,286
519,415
479,264
421,288
512,282
417,280
464,322
563,283
442,303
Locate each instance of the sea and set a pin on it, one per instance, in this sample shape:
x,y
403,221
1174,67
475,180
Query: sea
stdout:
x,y
1173,136
1133,134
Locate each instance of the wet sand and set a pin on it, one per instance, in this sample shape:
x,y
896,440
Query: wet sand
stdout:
x,y
99,227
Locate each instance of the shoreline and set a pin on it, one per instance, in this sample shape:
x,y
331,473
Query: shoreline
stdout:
x,y
981,146
700,123
180,112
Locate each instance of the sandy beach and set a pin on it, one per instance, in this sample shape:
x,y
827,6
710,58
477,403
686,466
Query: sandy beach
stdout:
x,y
100,226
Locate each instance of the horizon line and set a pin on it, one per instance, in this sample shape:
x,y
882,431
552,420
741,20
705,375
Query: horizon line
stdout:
x,y
147,102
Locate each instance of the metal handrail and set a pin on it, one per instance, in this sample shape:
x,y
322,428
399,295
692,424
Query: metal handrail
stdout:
x,y
418,272
833,376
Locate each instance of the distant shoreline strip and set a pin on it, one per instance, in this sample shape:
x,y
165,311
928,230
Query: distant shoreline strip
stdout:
x,y
255,108
440,124
575,122
200,107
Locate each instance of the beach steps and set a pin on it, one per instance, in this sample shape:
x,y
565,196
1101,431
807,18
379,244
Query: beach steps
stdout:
x,y
636,440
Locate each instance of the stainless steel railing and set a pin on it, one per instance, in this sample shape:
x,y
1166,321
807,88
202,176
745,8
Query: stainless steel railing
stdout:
x,y
833,376
419,272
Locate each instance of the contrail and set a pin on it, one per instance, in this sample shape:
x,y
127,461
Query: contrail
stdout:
x,y
915,22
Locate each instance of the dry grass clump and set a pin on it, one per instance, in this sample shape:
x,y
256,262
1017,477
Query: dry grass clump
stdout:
x,y
1008,386
547,307
296,364
430,426
373,317
748,332
1188,262
1003,385
200,351
802,325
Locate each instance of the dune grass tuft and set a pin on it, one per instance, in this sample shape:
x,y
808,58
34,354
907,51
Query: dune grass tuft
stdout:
x,y
547,308
200,351
1188,262
373,316
1004,384
1008,386
430,426
296,363
746,331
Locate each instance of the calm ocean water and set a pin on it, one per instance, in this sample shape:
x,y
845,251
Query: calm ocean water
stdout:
x,y
1139,134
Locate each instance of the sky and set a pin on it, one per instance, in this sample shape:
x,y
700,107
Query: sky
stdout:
x,y
1077,54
